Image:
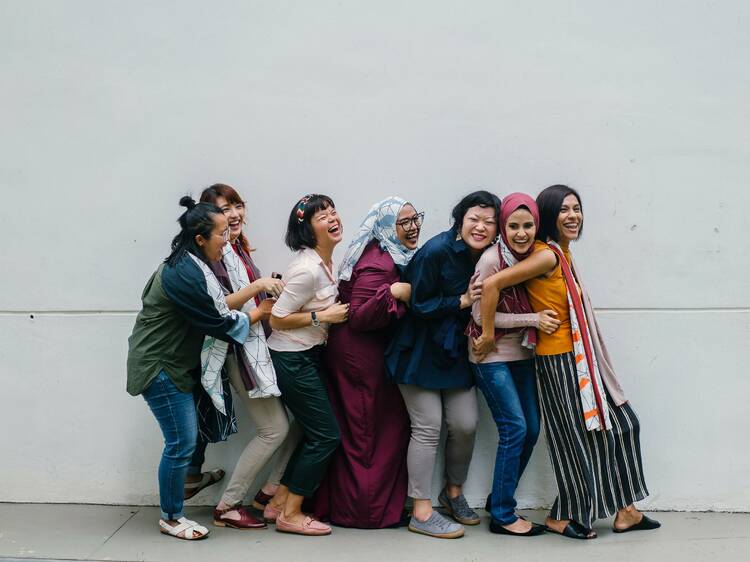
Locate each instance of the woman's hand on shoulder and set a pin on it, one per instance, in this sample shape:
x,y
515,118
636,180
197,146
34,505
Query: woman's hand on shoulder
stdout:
x,y
547,321
269,285
334,314
401,291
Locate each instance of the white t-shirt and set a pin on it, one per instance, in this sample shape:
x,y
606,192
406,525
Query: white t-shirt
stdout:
x,y
310,286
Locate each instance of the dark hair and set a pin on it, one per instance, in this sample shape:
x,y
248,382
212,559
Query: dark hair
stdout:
x,y
550,201
476,199
299,232
197,219
212,193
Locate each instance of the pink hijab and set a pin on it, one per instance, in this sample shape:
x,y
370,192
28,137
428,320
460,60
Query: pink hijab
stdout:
x,y
510,205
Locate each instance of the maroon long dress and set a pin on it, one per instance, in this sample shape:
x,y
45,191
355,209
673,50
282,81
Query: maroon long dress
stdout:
x,y
365,486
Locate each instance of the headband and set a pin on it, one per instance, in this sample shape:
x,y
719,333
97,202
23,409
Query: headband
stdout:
x,y
301,208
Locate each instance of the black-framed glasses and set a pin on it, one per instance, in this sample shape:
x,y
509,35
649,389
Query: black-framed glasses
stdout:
x,y
412,222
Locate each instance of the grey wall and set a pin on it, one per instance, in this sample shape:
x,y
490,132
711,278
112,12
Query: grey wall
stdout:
x,y
112,110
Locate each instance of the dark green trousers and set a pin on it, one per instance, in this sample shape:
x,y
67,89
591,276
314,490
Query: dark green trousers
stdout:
x,y
303,390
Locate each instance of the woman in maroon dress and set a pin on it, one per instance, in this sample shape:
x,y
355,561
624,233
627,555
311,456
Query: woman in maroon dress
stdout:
x,y
366,482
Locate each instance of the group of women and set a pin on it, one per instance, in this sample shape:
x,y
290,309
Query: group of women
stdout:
x,y
348,377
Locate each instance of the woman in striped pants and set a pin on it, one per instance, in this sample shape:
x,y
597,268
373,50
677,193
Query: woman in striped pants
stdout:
x,y
592,430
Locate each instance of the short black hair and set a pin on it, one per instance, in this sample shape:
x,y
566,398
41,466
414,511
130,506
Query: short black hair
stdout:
x,y
480,198
197,219
299,232
550,201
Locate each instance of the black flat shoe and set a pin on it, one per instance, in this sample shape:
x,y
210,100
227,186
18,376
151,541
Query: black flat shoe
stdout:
x,y
496,527
645,524
574,530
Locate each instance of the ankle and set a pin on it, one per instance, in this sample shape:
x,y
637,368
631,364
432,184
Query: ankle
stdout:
x,y
452,491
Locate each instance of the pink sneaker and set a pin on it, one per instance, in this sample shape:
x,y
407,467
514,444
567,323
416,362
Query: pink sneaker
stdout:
x,y
309,526
271,513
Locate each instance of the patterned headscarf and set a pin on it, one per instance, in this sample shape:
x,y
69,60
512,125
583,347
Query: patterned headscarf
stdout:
x,y
379,224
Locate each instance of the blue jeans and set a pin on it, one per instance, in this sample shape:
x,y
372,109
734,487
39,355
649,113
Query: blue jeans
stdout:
x,y
510,391
175,412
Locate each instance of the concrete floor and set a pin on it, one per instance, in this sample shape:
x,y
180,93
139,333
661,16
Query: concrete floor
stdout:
x,y
89,532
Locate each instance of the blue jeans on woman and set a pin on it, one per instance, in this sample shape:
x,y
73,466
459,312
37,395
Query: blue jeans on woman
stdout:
x,y
175,412
510,391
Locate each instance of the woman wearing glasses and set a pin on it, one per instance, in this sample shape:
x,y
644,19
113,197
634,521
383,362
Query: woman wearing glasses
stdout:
x,y
366,482
182,303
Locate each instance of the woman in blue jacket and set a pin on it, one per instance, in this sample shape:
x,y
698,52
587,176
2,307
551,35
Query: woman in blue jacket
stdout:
x,y
428,358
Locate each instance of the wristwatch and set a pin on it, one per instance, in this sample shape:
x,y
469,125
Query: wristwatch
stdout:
x,y
315,321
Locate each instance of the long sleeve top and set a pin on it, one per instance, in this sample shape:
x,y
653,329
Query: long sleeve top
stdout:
x,y
508,347
429,348
178,312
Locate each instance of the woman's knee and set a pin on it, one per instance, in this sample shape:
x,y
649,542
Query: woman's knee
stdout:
x,y
181,446
427,431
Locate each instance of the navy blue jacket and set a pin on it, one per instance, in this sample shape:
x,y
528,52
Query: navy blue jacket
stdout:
x,y
429,348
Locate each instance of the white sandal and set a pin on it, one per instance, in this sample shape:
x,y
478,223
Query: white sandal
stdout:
x,y
186,530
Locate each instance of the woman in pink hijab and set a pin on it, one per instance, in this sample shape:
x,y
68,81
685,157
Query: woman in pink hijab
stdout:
x,y
505,375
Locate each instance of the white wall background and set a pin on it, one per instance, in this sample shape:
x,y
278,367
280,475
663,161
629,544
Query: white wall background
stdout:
x,y
110,111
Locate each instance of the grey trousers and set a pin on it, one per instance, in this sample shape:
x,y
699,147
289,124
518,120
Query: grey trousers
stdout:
x,y
427,409
272,432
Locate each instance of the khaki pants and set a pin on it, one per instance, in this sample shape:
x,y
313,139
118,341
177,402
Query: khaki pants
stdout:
x,y
272,432
427,408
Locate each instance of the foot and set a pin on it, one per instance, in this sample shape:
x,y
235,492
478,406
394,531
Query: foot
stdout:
x,y
183,528
459,509
237,517
264,495
301,524
569,528
436,526
271,512
197,482
630,519
519,528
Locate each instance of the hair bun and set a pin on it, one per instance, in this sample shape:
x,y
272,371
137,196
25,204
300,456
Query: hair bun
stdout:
x,y
187,201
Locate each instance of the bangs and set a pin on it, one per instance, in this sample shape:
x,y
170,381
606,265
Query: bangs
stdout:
x,y
317,203
211,194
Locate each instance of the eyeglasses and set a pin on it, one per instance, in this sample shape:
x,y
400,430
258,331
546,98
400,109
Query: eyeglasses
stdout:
x,y
412,222
224,235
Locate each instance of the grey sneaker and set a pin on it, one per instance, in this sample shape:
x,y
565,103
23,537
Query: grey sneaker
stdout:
x,y
459,509
436,526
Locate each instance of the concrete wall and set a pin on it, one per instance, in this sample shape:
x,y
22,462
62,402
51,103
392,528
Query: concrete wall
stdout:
x,y
112,110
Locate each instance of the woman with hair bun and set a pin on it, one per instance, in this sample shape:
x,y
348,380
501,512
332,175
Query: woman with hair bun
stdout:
x,y
182,303
593,433
249,370
428,358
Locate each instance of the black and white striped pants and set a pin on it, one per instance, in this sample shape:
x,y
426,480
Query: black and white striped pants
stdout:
x,y
597,472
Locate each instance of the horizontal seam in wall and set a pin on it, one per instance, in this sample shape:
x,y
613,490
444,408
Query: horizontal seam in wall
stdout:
x,y
601,310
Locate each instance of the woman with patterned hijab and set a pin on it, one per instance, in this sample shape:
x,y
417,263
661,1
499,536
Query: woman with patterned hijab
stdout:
x,y
366,482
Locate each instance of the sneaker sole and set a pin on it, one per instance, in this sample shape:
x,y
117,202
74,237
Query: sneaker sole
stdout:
x,y
461,520
454,535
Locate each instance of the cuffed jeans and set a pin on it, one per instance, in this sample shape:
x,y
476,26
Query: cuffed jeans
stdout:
x,y
425,407
304,393
175,413
510,391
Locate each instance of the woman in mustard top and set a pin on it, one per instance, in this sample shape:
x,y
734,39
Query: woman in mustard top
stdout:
x,y
592,431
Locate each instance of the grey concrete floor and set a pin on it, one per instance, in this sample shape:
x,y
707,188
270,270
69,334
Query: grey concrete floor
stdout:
x,y
93,532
